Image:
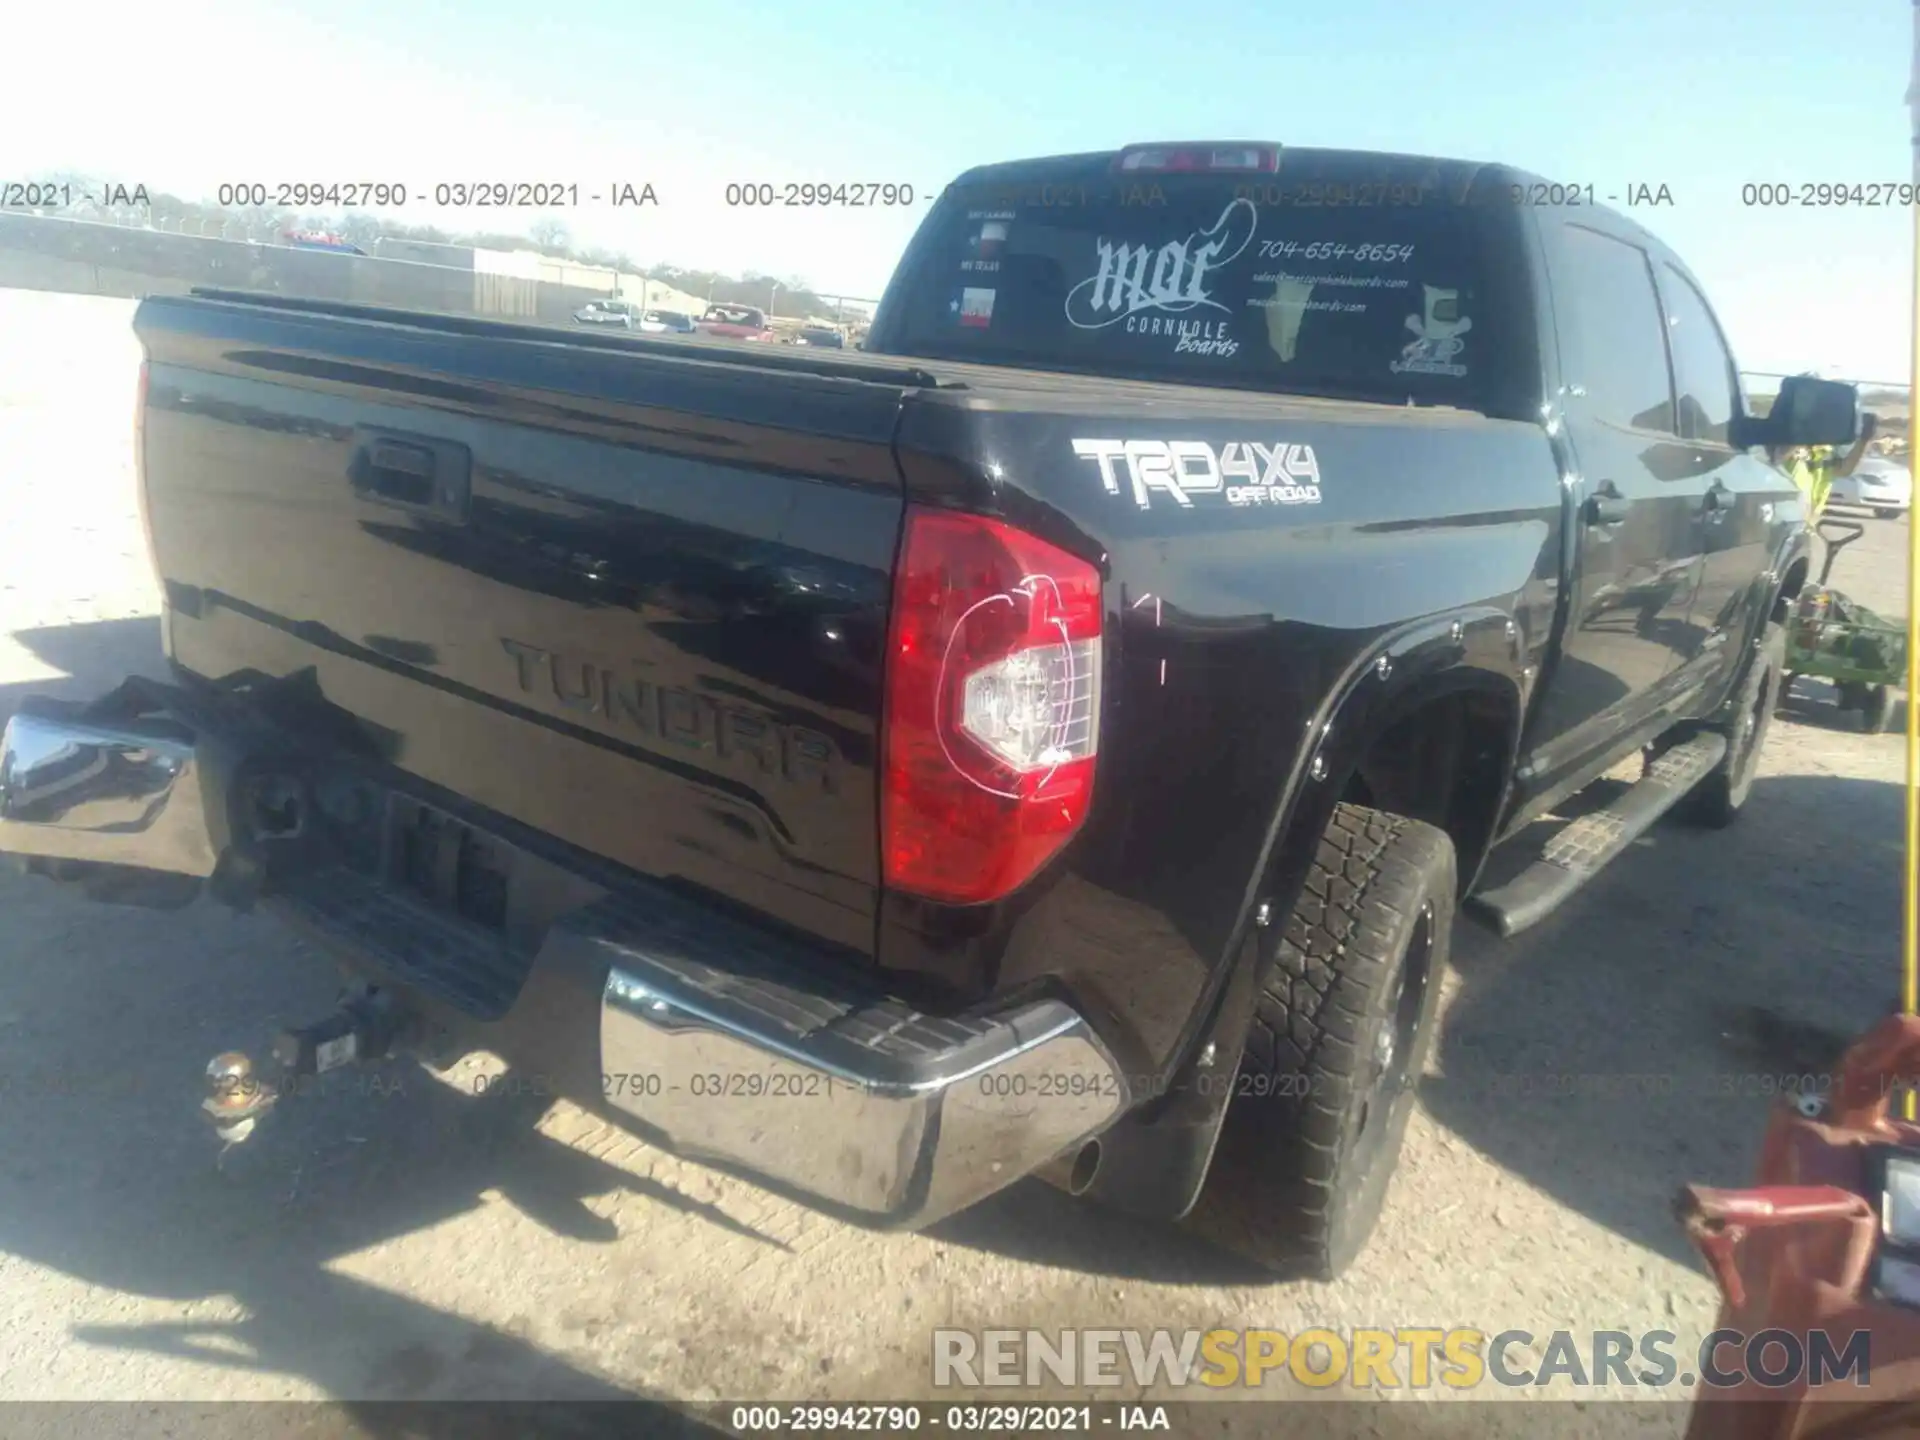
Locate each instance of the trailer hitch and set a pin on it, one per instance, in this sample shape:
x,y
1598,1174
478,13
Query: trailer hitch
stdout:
x,y
369,1025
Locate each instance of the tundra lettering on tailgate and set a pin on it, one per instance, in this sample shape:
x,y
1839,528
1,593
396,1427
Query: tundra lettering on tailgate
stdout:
x,y
675,714
1278,474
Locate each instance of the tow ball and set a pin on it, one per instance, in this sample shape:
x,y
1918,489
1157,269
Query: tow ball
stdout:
x,y
369,1025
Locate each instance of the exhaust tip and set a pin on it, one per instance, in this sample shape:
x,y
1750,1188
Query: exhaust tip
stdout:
x,y
1086,1165
1072,1171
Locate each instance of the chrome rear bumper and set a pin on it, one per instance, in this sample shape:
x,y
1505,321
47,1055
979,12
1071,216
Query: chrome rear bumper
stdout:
x,y
728,1044
112,791
849,1099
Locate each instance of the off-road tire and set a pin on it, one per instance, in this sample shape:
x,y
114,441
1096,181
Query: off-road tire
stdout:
x,y
1716,800
1315,1122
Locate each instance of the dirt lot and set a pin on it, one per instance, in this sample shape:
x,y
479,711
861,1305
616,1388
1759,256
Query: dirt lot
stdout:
x,y
416,1241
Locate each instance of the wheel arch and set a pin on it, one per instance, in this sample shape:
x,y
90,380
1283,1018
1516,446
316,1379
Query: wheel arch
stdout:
x,y
1466,664
1792,582
1443,756
1792,562
1461,673
1432,734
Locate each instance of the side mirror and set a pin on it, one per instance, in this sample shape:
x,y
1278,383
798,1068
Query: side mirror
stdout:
x,y
1809,412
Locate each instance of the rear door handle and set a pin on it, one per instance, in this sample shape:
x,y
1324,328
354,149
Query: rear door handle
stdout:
x,y
1608,507
415,473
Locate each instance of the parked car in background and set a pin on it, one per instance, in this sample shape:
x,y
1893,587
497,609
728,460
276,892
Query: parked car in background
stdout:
x,y
608,312
735,322
320,240
667,322
822,337
1878,484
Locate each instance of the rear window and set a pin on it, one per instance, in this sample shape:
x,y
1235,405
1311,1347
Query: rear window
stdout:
x,y
1374,290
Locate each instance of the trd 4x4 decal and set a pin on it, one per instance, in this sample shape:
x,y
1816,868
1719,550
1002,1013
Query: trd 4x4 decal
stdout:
x,y
1279,474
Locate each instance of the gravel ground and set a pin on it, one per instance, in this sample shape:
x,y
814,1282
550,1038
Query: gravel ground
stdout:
x,y
397,1237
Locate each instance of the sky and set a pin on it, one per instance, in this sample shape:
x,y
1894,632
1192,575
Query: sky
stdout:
x,y
1700,97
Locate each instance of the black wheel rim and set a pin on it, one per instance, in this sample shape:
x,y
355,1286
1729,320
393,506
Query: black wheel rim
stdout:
x,y
1389,1063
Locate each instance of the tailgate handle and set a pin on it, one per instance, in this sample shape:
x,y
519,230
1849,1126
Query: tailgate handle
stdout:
x,y
414,473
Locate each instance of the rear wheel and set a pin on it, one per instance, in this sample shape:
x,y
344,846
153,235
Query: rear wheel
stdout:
x,y
1717,800
1885,513
1340,1033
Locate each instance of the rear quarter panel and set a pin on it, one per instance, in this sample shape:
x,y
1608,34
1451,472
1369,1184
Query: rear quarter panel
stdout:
x,y
1241,639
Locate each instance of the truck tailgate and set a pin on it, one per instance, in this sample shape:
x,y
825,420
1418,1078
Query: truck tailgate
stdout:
x,y
631,598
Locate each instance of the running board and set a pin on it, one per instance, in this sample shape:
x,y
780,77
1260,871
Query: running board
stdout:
x,y
1583,848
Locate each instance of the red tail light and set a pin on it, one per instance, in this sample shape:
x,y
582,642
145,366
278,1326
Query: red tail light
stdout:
x,y
992,707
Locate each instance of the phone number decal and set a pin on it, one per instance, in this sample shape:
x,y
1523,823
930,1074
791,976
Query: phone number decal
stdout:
x,y
1394,254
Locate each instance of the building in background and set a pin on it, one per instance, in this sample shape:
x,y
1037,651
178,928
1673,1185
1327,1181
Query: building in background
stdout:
x,y
91,257
424,252
658,295
532,265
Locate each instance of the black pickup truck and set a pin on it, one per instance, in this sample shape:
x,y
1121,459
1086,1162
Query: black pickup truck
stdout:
x,y
1053,741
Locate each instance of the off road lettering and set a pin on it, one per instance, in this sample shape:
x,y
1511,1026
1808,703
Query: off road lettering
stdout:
x,y
1279,474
